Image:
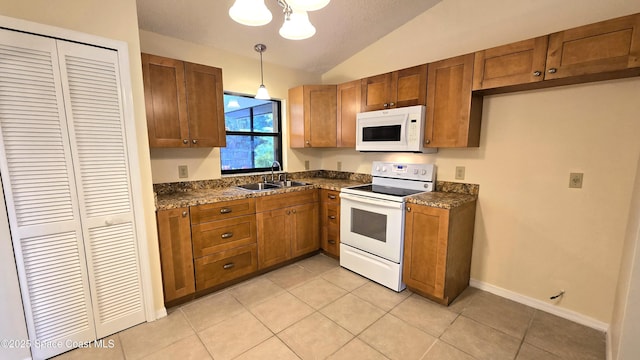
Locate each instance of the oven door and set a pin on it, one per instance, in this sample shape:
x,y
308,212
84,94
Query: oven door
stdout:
x,y
372,225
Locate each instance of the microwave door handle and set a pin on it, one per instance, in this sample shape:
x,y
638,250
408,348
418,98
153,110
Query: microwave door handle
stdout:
x,y
365,200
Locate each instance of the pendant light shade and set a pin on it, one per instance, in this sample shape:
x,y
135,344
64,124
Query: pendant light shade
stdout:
x,y
297,26
262,93
308,5
250,12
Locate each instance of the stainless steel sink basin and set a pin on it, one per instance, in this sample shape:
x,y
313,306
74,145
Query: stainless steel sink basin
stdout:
x,y
259,186
288,183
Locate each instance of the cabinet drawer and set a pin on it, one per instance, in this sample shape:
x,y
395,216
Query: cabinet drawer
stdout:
x,y
211,237
272,202
224,266
330,196
222,210
331,240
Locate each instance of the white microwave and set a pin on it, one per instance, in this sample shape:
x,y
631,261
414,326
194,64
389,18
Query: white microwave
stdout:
x,y
392,130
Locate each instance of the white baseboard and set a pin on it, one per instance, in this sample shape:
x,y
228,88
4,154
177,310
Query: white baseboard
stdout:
x,y
541,305
161,313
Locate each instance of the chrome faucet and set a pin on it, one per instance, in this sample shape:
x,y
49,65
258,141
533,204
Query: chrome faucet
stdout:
x,y
279,169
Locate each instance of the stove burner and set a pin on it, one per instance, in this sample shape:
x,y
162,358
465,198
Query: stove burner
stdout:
x,y
387,190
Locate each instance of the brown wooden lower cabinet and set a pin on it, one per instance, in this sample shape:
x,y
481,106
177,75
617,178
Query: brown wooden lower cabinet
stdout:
x,y
288,226
176,257
437,250
330,222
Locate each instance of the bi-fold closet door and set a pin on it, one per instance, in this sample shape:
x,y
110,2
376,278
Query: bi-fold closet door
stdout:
x,y
65,174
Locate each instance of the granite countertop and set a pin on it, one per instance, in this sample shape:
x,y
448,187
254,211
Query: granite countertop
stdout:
x,y
207,196
443,200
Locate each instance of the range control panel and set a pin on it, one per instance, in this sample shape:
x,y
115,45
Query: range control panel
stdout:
x,y
423,172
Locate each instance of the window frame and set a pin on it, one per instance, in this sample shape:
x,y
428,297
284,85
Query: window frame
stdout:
x,y
277,135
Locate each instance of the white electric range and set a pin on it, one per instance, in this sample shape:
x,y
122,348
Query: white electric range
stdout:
x,y
372,220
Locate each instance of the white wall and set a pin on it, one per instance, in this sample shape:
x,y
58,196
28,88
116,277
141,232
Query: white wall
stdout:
x,y
533,234
625,323
240,75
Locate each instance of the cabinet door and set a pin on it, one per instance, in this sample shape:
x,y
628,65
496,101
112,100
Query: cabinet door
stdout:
x,y
596,48
521,62
349,95
312,116
425,249
304,229
165,101
453,112
409,87
320,115
376,92
174,235
205,106
274,237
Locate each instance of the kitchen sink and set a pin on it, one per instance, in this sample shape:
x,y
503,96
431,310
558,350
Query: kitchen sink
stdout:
x,y
259,186
287,183
272,185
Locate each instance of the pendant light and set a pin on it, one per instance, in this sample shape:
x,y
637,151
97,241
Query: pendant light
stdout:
x,y
250,12
262,93
296,26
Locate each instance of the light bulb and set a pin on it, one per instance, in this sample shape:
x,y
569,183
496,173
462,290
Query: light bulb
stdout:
x,y
262,93
250,12
297,27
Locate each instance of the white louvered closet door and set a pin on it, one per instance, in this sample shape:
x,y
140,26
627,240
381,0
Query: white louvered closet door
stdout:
x,y
91,88
40,193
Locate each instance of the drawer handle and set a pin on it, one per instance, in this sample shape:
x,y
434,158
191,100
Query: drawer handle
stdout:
x,y
332,242
332,197
552,71
228,266
226,235
332,217
225,210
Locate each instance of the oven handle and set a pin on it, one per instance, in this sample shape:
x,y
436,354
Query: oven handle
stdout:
x,y
370,201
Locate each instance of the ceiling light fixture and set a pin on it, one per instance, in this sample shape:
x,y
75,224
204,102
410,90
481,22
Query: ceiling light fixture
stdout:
x,y
262,93
296,24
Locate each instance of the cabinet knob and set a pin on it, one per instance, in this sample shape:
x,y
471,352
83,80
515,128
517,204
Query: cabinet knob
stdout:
x,y
185,141
537,73
184,214
332,217
194,141
332,242
552,71
386,105
332,197
427,141
225,210
226,235
108,222
293,211
392,104
408,208
228,266
288,212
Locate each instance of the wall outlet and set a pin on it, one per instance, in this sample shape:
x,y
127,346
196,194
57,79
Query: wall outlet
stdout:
x,y
459,172
339,166
575,180
183,171
306,164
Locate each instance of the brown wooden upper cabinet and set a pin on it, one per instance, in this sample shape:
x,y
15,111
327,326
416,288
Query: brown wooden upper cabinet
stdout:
x,y
518,63
406,87
184,103
606,49
312,116
453,111
349,100
606,46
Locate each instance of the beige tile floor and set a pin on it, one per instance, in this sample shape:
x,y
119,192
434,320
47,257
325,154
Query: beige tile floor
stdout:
x,y
314,309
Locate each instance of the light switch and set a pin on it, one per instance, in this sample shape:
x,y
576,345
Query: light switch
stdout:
x,y
183,171
460,172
